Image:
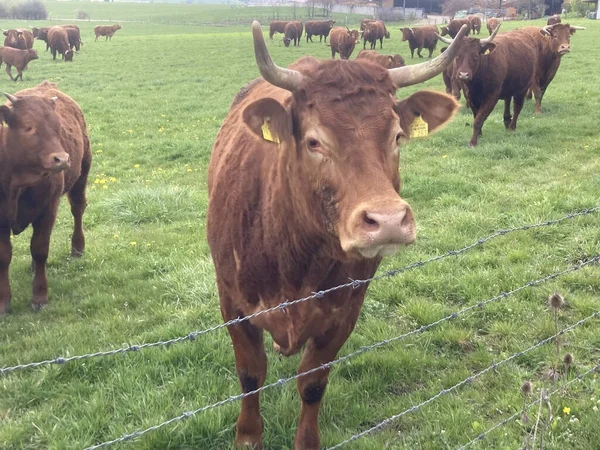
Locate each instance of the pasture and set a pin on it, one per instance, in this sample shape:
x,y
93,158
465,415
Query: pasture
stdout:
x,y
154,99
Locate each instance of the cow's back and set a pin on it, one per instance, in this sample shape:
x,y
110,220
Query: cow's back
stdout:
x,y
513,55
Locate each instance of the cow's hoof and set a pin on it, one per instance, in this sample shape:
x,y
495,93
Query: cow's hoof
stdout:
x,y
38,304
76,253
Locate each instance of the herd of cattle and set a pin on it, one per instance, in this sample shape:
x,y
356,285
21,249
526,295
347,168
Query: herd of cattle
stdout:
x,y
18,48
517,64
303,183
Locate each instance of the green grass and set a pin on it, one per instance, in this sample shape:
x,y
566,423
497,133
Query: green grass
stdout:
x,y
154,99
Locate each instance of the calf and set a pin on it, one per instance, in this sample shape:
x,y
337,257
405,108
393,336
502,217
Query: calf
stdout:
x,y
18,38
420,38
319,28
106,30
303,187
343,41
44,153
387,61
552,43
17,58
491,71
454,26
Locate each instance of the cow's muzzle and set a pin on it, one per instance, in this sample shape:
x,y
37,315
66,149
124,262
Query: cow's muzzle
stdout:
x,y
57,162
464,76
379,230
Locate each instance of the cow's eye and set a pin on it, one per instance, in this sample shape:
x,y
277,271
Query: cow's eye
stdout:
x,y
313,144
28,130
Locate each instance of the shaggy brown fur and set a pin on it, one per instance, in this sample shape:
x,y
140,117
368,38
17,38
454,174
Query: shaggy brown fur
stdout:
x,y
491,24
343,41
44,153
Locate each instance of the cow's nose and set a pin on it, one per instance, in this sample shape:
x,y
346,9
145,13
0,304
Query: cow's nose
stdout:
x,y
565,48
390,227
59,161
464,75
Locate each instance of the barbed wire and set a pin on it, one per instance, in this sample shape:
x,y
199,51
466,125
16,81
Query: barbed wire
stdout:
x,y
317,295
482,436
361,350
462,383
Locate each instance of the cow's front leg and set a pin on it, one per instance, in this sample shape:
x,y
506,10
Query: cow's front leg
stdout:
x,y
5,258
311,387
40,246
251,366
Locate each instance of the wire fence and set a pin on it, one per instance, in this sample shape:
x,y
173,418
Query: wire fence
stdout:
x,y
364,349
503,422
317,295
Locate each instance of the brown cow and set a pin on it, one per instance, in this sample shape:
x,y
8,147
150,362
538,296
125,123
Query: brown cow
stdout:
x,y
552,42
313,150
454,26
420,38
491,24
74,37
18,38
342,41
553,20
291,33
387,61
475,24
374,31
319,28
42,35
364,22
58,39
106,30
44,153
491,71
277,26
18,58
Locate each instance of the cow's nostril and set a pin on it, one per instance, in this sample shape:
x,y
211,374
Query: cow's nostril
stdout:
x,y
369,223
57,159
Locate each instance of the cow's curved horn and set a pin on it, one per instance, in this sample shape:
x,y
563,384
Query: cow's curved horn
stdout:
x,y
277,76
573,27
492,36
409,75
12,98
546,28
443,39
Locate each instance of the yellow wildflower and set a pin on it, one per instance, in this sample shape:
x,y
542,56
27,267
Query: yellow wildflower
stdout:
x,y
133,243
567,410
136,166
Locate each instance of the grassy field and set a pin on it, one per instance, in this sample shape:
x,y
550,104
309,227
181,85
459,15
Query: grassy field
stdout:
x,y
154,99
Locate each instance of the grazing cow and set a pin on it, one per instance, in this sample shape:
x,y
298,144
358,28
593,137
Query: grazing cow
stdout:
x,y
491,24
374,31
552,42
553,20
44,153
319,28
74,37
313,151
18,38
291,33
58,39
342,41
475,24
420,38
491,71
18,58
277,26
387,61
454,26
106,30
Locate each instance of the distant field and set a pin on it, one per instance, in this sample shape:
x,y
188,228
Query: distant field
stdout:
x,y
154,99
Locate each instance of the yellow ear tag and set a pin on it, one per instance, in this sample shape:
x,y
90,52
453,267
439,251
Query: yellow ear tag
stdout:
x,y
418,128
268,135
487,52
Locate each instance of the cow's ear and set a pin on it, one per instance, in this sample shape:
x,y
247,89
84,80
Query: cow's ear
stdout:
x,y
269,120
435,108
487,48
5,115
5,33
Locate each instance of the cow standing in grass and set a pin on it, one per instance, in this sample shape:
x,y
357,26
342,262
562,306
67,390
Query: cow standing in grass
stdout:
x,y
552,43
304,195
106,30
58,39
19,59
42,35
18,38
420,38
277,26
491,71
475,24
343,41
44,153
319,28
291,33
454,26
491,24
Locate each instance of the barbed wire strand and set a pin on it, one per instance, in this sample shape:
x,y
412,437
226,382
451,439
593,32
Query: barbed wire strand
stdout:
x,y
353,283
361,350
482,436
462,383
